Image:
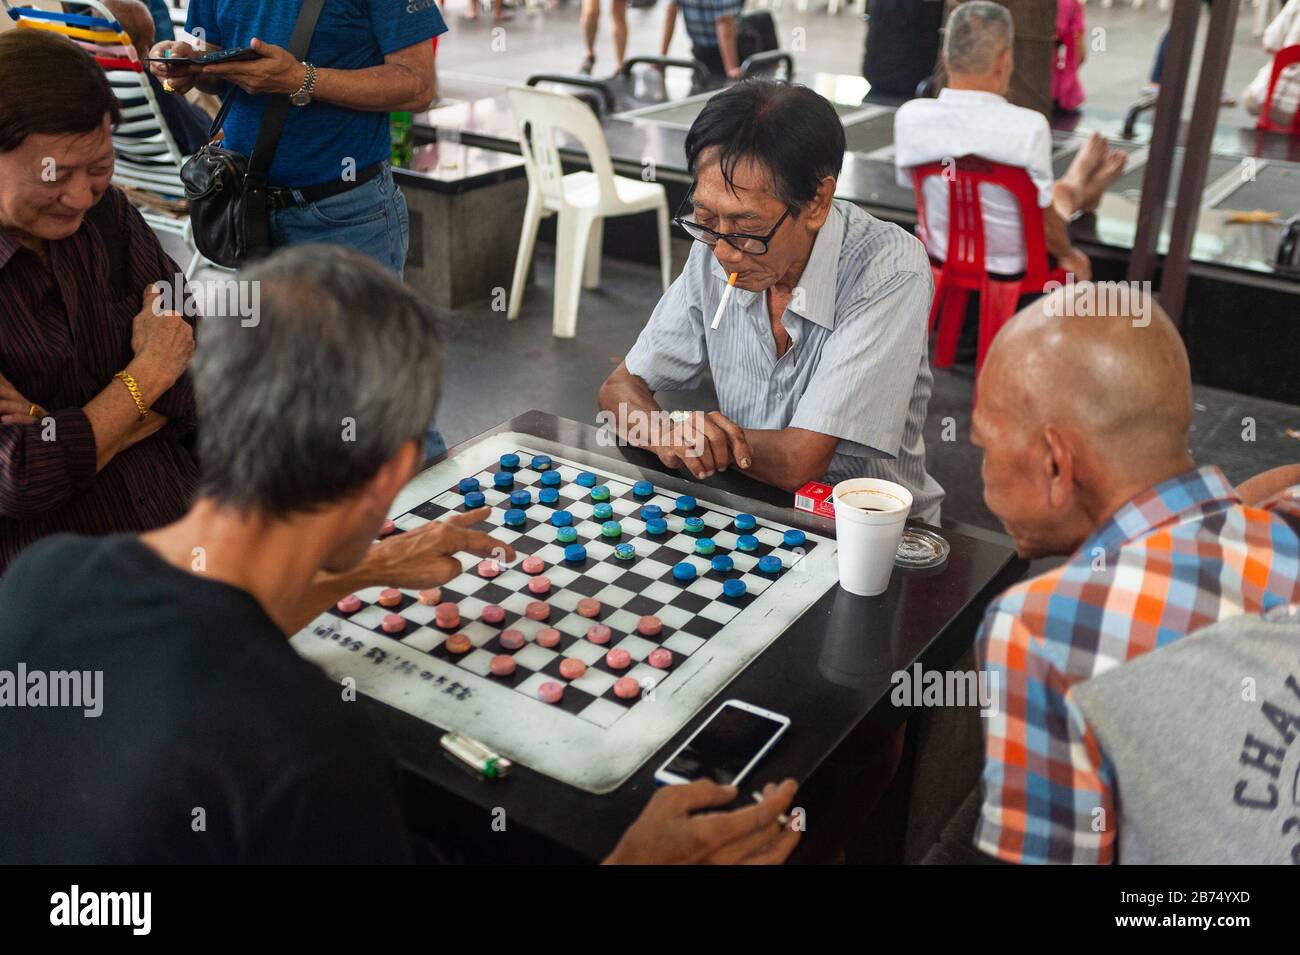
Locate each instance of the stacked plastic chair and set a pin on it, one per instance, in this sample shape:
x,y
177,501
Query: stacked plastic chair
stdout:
x,y
147,155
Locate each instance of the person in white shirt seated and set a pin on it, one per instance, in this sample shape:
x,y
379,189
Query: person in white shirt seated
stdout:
x,y
972,117
1284,31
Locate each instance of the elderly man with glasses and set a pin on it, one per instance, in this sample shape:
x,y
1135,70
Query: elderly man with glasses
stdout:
x,y
818,356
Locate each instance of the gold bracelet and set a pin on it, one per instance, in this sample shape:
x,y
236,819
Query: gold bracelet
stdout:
x,y
136,395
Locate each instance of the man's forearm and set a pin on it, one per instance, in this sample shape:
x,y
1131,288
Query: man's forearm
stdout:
x,y
725,28
324,590
631,406
379,89
782,459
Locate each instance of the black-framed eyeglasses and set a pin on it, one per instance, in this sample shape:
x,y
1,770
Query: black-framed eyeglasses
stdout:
x,y
740,241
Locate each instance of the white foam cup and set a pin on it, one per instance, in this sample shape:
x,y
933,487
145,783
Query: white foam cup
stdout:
x,y
868,540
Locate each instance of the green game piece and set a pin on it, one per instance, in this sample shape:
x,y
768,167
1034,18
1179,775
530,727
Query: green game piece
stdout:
x,y
624,551
566,535
600,493
611,529
705,546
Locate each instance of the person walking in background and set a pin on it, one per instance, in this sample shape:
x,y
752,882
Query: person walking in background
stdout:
x,y
590,21
1071,53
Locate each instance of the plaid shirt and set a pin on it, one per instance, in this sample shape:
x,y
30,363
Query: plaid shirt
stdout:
x,y
701,17
1179,556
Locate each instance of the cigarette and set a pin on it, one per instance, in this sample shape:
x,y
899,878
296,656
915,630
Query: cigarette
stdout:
x,y
782,820
726,297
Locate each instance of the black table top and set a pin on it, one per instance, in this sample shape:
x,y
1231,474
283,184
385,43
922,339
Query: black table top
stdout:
x,y
1248,170
828,672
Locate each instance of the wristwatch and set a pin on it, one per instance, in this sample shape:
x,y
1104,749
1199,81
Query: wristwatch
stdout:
x,y
303,96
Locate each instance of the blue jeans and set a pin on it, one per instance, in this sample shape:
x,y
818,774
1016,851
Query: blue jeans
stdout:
x,y
372,218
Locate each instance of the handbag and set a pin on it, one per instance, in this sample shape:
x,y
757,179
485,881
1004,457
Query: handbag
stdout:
x,y
229,215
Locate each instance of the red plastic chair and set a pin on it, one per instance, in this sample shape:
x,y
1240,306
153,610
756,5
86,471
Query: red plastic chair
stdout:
x,y
964,271
1287,56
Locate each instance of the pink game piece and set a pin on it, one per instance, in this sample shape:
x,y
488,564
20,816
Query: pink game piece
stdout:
x,y
393,623
492,614
588,607
502,665
537,610
626,688
447,616
599,633
431,597
533,564
458,643
387,528
550,692
547,637
512,639
349,604
571,668
390,597
650,626
618,659
539,585
660,658
489,568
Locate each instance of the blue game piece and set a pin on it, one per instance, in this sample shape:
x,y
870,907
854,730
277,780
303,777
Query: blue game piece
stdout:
x,y
694,525
475,499
575,553
734,588
503,480
467,484
684,572
541,462
771,564
550,479
510,460
793,538
747,542
586,479
611,529
685,504
521,498
722,563
642,489
600,493
651,511
515,517
656,526
561,518
548,495
745,522
603,511
705,546
624,551
566,535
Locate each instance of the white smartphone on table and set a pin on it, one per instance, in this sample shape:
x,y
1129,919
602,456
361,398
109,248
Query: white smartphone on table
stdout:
x,y
726,747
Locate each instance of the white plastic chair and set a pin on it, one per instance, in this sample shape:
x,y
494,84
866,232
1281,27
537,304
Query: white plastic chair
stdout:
x,y
581,200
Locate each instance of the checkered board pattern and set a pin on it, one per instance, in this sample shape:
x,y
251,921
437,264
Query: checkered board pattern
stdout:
x,y
699,621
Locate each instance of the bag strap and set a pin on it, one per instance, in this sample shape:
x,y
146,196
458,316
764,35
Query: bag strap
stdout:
x,y
277,111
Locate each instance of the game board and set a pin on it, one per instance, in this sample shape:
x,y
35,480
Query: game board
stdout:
x,y
591,739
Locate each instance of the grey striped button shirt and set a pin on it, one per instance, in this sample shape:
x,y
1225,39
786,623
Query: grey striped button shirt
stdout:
x,y
856,367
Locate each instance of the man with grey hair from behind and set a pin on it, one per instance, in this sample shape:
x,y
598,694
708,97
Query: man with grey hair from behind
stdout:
x,y
971,117
218,743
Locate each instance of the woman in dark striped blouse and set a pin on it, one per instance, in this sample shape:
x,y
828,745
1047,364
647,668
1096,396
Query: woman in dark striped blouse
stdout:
x,y
96,410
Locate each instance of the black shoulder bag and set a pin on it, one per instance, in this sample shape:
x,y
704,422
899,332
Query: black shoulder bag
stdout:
x,y
225,189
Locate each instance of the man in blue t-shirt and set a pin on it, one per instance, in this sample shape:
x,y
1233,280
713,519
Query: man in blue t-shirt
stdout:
x,y
330,177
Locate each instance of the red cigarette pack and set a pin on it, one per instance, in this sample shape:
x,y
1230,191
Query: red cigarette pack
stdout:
x,y
815,499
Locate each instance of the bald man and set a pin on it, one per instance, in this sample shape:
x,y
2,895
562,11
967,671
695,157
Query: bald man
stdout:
x,y
1083,422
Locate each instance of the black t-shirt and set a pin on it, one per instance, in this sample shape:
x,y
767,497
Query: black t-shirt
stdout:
x,y
216,742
